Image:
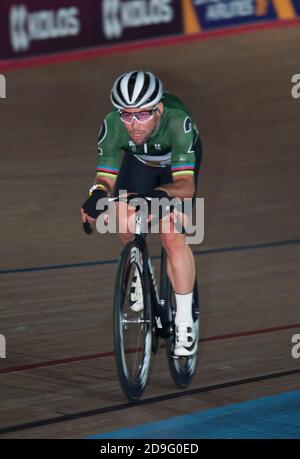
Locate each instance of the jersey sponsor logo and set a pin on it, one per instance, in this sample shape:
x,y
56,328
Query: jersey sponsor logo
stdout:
x,y
187,124
26,26
118,15
132,145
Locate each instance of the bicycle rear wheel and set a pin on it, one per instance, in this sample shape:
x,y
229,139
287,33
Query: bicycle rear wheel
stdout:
x,y
132,330
182,369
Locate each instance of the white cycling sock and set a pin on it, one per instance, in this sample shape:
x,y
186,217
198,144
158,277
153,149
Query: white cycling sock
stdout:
x,y
184,308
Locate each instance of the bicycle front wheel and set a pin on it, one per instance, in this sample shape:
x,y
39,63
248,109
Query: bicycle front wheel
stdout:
x,y
133,320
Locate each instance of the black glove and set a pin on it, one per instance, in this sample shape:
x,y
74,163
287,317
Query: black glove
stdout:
x,y
89,206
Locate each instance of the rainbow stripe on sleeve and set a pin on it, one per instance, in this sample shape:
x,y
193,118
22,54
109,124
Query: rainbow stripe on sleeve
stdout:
x,y
184,169
107,172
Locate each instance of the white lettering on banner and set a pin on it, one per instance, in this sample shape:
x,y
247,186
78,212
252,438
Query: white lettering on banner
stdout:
x,y
17,22
110,22
227,9
27,26
118,15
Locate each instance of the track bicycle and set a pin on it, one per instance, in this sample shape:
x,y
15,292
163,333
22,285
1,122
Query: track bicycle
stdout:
x,y
137,333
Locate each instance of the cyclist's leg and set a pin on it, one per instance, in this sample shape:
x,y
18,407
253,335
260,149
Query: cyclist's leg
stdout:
x,y
182,274
181,262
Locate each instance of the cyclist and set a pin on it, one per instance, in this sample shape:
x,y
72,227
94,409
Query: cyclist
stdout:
x,y
162,155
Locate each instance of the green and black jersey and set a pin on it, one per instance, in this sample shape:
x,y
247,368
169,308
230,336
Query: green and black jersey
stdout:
x,y
172,144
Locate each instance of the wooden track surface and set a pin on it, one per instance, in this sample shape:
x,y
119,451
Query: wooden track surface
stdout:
x,y
238,89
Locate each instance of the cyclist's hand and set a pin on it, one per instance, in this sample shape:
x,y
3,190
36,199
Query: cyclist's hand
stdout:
x,y
89,212
86,218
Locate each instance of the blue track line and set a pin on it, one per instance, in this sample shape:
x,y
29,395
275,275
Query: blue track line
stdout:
x,y
271,417
237,248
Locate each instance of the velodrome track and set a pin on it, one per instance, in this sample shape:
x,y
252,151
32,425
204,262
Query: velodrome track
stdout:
x,y
59,378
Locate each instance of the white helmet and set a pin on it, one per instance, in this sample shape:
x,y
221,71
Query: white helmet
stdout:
x,y
136,89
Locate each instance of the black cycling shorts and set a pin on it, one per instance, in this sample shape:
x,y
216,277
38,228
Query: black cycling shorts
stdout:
x,y
137,177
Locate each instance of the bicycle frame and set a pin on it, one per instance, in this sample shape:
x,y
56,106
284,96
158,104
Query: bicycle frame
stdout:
x,y
163,325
